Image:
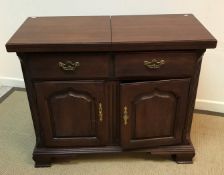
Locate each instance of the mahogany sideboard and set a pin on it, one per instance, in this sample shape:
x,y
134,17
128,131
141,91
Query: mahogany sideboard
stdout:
x,y
101,84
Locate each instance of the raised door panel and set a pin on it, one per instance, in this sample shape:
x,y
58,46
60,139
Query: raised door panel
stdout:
x,y
153,113
73,113
161,106
66,120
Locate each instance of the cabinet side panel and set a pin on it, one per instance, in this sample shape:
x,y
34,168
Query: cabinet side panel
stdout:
x,y
192,97
31,98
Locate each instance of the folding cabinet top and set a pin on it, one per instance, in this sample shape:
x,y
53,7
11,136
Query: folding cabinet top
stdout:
x,y
105,33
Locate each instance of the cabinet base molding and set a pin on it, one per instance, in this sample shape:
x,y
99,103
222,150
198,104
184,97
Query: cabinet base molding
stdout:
x,y
43,157
42,160
183,158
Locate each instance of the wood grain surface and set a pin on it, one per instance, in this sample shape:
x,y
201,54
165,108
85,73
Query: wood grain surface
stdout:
x,y
154,32
61,33
105,33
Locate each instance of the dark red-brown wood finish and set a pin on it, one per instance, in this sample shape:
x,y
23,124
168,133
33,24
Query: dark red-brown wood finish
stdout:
x,y
107,85
156,111
159,32
57,34
69,113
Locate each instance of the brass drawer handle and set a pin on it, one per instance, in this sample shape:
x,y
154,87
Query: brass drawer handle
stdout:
x,y
154,64
68,65
100,112
125,115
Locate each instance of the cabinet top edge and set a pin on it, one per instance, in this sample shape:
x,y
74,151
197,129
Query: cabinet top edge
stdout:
x,y
41,33
111,33
180,29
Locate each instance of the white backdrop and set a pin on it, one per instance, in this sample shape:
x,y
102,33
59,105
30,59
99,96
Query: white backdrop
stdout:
x,y
210,12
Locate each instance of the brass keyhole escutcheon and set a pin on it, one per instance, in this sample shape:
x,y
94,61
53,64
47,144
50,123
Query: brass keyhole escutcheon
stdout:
x,y
100,112
125,115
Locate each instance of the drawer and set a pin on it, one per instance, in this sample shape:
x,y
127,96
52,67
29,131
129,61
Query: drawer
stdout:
x,y
68,65
155,64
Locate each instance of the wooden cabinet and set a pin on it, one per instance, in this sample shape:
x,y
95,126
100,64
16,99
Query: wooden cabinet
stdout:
x,y
111,84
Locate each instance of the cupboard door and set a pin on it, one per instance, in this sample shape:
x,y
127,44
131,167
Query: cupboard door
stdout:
x,y
73,113
153,113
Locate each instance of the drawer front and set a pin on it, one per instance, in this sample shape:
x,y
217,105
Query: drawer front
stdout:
x,y
68,65
155,64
